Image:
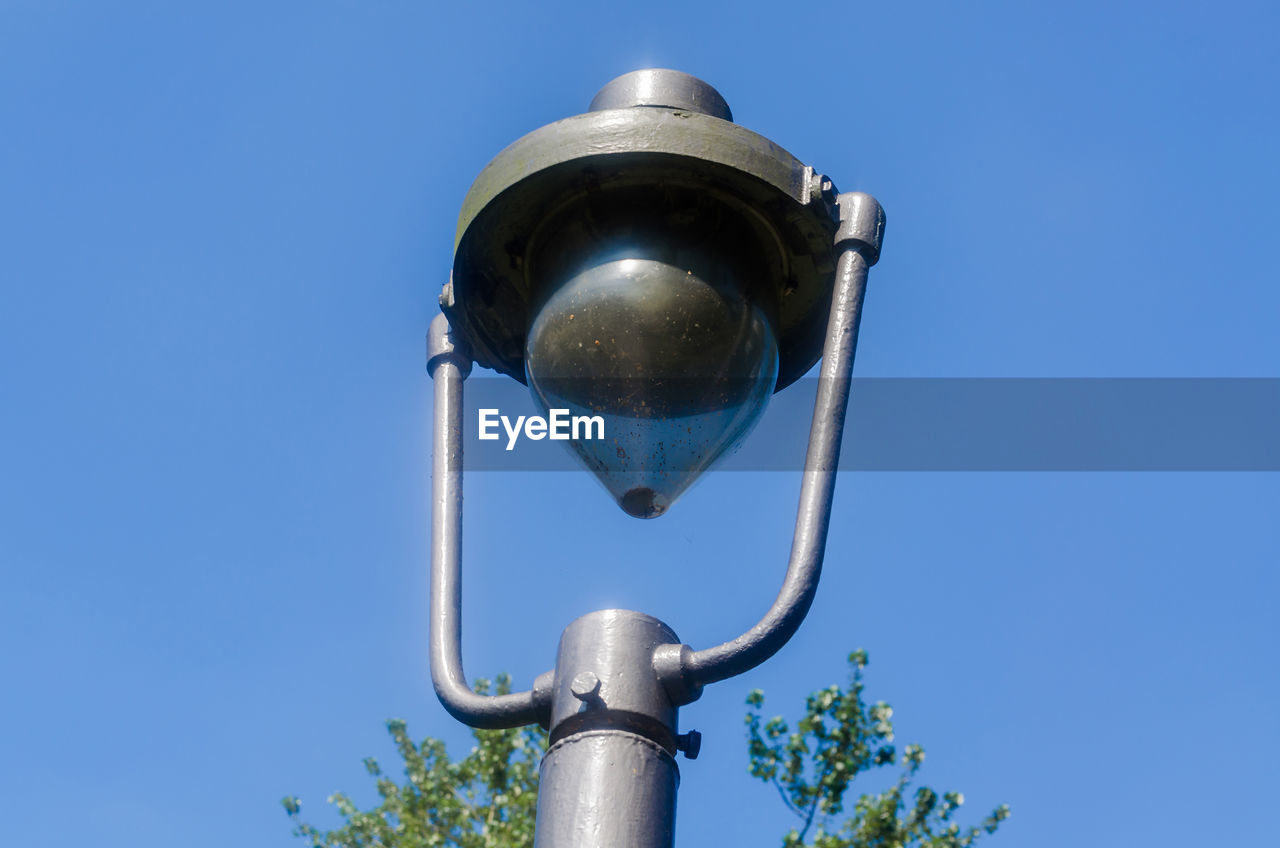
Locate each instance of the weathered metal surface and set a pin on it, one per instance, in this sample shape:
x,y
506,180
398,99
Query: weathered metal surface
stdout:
x,y
448,363
606,789
861,220
702,139
663,88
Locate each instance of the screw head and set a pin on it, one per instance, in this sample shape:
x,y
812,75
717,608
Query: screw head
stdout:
x,y
585,685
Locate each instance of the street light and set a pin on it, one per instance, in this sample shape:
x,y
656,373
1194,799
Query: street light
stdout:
x,y
657,264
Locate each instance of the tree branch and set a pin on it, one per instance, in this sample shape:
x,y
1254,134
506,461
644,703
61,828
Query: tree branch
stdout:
x,y
782,793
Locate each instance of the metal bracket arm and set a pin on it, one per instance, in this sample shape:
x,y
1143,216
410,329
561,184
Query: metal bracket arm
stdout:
x,y
858,241
449,363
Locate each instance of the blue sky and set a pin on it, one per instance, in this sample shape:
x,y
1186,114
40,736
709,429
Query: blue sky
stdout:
x,y
223,229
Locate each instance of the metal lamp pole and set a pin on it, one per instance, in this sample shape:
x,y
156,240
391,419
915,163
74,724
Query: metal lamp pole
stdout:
x,y
611,703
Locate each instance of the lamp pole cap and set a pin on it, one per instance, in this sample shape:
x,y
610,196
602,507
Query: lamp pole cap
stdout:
x,y
861,220
444,345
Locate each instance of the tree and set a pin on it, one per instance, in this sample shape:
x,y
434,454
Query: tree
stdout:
x,y
488,798
484,800
839,738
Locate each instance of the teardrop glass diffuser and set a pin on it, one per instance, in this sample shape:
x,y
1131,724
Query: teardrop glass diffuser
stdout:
x,y
674,357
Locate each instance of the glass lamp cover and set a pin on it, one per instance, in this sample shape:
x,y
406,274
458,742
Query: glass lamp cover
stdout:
x,y
679,364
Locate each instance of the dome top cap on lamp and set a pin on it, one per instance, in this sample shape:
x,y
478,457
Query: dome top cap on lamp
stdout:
x,y
662,88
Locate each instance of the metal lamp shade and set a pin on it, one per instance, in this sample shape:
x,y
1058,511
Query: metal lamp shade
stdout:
x,y
653,263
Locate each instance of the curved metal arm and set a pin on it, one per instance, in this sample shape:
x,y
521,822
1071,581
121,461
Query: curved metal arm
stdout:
x,y
858,240
449,363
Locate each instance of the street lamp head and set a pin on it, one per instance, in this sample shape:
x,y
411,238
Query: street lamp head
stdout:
x,y
652,263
